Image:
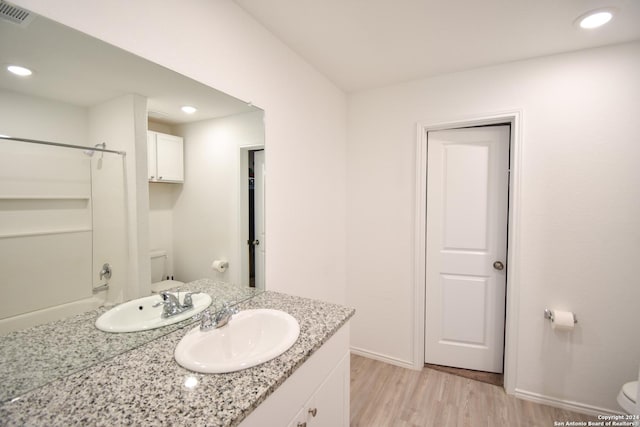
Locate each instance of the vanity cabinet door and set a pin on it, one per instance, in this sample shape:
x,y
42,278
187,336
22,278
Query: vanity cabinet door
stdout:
x,y
299,420
329,405
315,395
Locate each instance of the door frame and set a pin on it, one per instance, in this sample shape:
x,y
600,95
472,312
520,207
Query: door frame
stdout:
x,y
514,118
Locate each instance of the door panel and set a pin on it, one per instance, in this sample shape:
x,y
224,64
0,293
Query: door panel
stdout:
x,y
463,317
464,187
467,193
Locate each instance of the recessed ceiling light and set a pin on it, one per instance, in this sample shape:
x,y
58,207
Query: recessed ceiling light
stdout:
x,y
595,18
189,109
19,71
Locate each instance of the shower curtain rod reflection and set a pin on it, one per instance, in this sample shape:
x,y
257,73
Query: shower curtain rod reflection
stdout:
x,y
59,144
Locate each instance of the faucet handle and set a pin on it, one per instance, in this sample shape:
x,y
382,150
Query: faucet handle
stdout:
x,y
206,322
187,301
165,299
223,316
169,297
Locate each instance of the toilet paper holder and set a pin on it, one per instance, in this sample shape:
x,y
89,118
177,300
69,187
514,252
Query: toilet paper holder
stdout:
x,y
548,314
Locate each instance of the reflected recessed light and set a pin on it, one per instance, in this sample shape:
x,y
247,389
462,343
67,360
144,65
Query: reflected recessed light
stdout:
x,y
595,18
189,109
190,382
19,71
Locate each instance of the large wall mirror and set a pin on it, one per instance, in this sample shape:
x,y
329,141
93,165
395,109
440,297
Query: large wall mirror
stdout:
x,y
66,212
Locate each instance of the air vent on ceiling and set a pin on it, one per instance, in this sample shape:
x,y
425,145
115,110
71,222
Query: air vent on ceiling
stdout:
x,y
15,14
157,113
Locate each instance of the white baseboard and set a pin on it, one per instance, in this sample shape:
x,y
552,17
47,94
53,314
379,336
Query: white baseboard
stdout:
x,y
382,358
564,404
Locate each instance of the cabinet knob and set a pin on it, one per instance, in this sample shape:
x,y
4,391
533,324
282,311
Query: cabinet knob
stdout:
x,y
159,177
151,177
302,424
313,412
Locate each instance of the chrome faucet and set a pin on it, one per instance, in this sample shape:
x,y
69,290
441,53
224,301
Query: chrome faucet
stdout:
x,y
187,302
106,271
221,318
171,303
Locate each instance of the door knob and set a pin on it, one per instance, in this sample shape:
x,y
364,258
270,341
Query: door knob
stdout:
x,y
498,266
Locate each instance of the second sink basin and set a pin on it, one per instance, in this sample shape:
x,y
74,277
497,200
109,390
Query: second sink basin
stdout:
x,y
141,315
250,338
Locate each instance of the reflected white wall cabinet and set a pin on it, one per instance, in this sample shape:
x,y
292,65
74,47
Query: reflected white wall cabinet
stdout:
x,y
165,157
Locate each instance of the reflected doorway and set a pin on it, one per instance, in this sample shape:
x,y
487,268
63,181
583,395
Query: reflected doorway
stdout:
x,y
255,226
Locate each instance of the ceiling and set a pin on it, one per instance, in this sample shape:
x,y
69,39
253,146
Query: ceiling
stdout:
x,y
360,44
74,68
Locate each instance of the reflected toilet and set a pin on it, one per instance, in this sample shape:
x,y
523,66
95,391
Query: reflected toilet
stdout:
x,y
160,280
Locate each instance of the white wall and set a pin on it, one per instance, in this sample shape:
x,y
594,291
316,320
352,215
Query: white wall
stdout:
x,y
32,117
217,43
160,127
206,216
162,200
580,217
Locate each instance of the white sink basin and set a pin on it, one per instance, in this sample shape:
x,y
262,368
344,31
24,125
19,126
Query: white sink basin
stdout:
x,y
140,314
250,338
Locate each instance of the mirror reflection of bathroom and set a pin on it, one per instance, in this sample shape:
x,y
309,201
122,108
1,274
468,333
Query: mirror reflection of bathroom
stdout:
x,y
76,236
80,211
198,211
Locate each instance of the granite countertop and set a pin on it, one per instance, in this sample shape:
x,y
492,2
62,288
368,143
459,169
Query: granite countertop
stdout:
x,y
33,357
145,386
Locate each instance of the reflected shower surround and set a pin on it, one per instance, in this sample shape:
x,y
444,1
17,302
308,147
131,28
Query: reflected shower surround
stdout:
x,y
58,210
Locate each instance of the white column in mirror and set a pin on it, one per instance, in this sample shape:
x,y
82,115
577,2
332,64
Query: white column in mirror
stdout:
x,y
122,240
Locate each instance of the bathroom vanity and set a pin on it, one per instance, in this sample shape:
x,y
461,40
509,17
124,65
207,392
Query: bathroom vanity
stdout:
x,y
308,385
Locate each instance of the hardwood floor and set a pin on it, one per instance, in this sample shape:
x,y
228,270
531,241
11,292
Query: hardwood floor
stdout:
x,y
384,395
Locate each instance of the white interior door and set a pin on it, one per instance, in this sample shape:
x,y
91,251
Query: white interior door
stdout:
x,y
259,196
467,197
